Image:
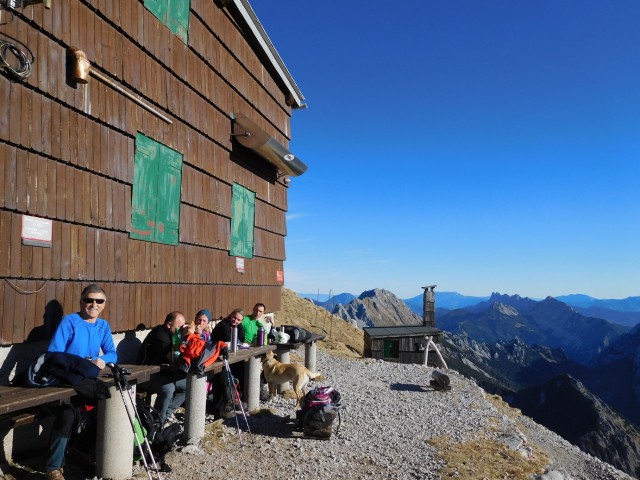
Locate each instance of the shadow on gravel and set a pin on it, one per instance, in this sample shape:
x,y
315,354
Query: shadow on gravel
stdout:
x,y
31,467
409,387
266,423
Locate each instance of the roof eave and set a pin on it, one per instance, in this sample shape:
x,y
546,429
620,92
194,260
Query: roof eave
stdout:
x,y
294,98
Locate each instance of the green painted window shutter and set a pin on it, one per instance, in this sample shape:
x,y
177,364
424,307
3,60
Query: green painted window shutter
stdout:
x,y
158,8
243,207
178,18
155,202
173,13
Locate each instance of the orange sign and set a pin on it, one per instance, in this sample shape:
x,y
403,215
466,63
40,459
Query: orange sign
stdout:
x,y
279,276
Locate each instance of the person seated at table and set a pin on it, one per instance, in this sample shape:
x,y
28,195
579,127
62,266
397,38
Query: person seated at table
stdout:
x,y
222,401
162,347
203,317
85,335
222,331
251,323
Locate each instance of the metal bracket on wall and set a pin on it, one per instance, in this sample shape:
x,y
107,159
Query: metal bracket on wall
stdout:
x,y
16,4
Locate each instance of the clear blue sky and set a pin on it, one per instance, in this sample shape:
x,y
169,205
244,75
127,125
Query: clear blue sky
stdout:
x,y
480,145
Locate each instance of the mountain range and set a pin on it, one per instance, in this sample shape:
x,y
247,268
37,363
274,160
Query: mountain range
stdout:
x,y
624,311
577,374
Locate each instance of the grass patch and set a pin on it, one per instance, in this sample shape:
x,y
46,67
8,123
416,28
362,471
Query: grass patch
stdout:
x,y
485,459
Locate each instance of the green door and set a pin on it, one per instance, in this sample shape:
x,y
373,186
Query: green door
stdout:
x,y
391,349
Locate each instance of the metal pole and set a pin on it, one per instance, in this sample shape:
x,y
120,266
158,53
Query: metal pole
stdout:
x,y
130,96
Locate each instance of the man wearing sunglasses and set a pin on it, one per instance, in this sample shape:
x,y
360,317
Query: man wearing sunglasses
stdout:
x,y
85,335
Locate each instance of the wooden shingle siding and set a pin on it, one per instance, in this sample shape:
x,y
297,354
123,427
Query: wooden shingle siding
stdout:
x,y
67,154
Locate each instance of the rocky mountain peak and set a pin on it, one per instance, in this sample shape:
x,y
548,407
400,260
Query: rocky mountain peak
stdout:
x,y
378,308
502,309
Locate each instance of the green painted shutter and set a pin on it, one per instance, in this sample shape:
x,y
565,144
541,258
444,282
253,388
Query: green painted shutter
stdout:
x,y
168,210
242,221
178,18
173,13
155,198
158,8
145,188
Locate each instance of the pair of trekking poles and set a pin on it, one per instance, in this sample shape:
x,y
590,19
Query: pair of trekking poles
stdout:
x,y
143,445
234,394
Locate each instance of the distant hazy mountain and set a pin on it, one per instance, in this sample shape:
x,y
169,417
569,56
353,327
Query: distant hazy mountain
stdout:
x,y
629,304
331,302
324,298
444,300
548,322
624,312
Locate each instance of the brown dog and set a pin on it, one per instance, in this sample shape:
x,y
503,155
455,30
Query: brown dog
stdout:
x,y
276,373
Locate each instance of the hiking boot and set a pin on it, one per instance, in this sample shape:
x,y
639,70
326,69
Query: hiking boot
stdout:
x,y
227,410
55,474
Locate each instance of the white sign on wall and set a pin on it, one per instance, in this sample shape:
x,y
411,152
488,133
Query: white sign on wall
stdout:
x,y
36,231
240,264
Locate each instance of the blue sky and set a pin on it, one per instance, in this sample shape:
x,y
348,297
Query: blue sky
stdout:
x,y
483,146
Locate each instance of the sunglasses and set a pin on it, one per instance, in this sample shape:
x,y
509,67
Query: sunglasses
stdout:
x,y
99,301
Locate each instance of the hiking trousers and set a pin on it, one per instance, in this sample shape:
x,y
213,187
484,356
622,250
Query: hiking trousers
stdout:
x,y
171,391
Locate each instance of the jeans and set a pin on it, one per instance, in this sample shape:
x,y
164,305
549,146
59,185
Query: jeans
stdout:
x,y
171,391
62,427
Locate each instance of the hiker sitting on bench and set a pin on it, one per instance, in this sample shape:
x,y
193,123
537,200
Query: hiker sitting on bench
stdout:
x,y
82,334
203,317
222,332
251,323
162,347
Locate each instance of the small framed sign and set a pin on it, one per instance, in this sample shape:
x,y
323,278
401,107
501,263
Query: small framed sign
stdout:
x,y
36,231
279,276
239,264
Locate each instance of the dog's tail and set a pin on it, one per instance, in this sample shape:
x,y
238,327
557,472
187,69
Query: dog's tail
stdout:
x,y
313,375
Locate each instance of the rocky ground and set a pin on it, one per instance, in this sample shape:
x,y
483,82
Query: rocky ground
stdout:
x,y
394,426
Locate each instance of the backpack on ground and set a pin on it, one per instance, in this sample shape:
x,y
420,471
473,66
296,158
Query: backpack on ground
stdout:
x,y
320,407
160,439
224,400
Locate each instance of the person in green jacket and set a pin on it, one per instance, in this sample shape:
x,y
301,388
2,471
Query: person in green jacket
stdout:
x,y
250,323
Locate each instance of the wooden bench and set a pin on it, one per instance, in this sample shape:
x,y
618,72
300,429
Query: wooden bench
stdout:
x,y
114,449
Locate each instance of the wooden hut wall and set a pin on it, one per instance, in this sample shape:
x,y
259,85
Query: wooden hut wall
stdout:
x,y
374,348
67,154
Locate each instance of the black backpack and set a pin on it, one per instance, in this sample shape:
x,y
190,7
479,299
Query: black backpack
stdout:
x,y
320,407
161,440
297,334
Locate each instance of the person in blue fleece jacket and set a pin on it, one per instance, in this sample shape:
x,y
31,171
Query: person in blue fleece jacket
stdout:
x,y
86,335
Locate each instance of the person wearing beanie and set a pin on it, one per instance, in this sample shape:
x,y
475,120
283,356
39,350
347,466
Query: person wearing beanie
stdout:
x,y
203,317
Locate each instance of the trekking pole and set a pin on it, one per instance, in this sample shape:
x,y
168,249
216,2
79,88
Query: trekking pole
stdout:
x,y
119,376
235,394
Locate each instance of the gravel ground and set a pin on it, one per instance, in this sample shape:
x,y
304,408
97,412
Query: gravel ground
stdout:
x,y
394,426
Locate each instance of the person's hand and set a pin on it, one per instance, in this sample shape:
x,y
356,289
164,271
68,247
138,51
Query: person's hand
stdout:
x,y
98,362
